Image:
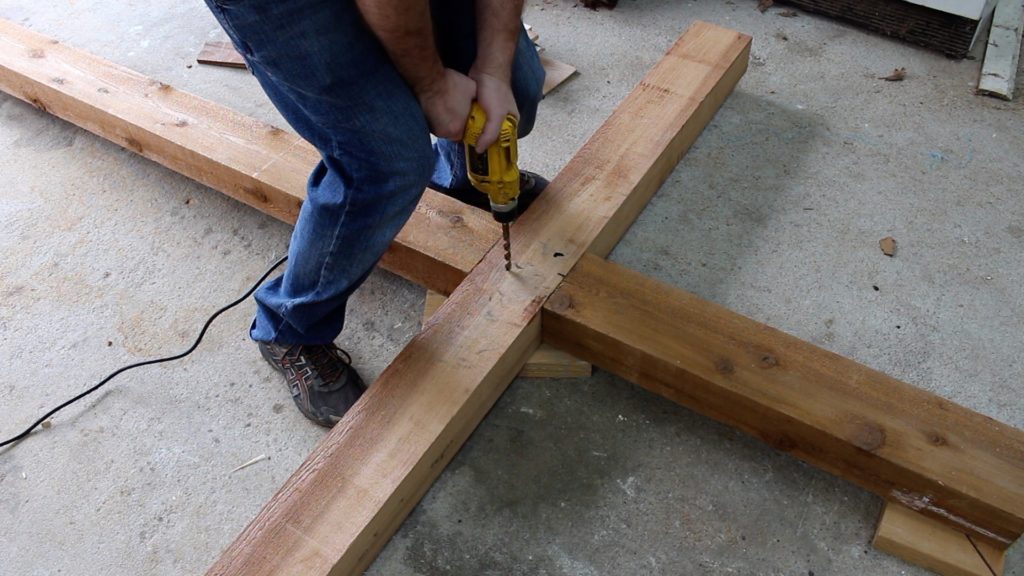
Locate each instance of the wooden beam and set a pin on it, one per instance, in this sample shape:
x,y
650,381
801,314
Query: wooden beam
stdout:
x,y
341,506
999,71
933,545
442,242
903,443
220,53
251,161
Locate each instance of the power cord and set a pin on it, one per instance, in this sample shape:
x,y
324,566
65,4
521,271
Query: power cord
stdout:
x,y
191,349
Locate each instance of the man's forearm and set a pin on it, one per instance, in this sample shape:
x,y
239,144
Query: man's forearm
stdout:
x,y
405,30
498,27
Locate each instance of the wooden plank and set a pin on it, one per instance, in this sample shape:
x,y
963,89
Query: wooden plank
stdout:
x,y
343,503
251,161
545,362
221,53
555,73
999,72
933,545
906,444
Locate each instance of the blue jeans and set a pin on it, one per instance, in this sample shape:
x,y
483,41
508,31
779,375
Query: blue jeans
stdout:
x,y
332,81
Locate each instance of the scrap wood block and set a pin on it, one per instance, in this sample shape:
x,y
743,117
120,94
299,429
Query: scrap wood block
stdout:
x,y
555,73
999,72
221,53
218,53
546,362
933,545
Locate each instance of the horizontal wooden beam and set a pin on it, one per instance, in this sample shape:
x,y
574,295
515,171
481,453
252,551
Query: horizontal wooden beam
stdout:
x,y
344,502
903,443
256,163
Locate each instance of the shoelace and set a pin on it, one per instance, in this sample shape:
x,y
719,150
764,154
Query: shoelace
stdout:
x,y
330,362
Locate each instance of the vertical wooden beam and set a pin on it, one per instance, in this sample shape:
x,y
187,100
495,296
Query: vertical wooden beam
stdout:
x,y
342,505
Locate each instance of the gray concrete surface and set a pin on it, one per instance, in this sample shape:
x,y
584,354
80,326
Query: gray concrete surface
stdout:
x,y
776,213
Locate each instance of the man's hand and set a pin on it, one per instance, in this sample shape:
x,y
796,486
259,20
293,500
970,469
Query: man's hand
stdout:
x,y
495,96
446,104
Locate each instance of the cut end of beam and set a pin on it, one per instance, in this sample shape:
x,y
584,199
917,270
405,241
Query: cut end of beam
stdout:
x,y
933,545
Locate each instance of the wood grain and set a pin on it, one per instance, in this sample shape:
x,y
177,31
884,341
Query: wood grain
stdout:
x,y
251,161
545,362
933,545
999,70
903,443
220,53
555,73
340,507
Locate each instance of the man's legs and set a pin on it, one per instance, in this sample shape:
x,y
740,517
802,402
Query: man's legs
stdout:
x,y
332,81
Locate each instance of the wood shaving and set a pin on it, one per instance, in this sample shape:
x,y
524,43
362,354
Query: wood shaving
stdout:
x,y
888,246
898,74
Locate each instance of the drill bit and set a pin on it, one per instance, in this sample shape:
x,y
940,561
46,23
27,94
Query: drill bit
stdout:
x,y
508,247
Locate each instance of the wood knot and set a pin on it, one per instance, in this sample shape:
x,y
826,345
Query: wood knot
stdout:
x,y
133,144
560,302
37,103
868,437
782,443
725,366
768,361
255,194
456,220
936,439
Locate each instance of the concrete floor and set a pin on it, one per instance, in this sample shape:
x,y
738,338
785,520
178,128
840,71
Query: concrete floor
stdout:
x,y
776,213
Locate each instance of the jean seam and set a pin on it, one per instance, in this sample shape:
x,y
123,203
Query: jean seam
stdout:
x,y
334,242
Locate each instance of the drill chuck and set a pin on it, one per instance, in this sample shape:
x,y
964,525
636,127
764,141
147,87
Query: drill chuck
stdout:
x,y
505,213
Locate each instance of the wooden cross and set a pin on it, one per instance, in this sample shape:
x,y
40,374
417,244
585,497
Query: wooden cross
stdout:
x,y
953,479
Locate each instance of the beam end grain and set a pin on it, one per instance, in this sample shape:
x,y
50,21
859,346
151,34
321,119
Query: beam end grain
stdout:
x,y
933,545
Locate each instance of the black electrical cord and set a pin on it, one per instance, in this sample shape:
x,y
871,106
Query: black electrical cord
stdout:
x,y
191,349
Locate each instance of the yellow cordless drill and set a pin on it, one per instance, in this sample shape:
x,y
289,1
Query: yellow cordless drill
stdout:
x,y
495,172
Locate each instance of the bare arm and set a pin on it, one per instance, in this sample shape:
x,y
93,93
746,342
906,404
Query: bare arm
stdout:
x,y
405,30
498,27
